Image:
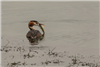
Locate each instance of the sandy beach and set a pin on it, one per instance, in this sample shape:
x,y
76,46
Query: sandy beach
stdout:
x,y
72,34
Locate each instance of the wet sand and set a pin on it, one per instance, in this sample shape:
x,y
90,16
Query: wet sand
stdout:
x,y
52,0
72,30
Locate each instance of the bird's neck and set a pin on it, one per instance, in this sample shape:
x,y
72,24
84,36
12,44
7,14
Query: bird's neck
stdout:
x,y
42,30
31,28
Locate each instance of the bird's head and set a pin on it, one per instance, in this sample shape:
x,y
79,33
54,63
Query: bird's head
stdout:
x,y
33,23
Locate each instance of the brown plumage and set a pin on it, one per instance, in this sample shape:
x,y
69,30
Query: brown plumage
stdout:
x,y
34,35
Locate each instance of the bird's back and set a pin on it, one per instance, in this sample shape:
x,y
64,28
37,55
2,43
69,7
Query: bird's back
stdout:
x,y
32,34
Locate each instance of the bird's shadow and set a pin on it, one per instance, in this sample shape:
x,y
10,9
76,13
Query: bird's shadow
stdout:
x,y
35,43
38,47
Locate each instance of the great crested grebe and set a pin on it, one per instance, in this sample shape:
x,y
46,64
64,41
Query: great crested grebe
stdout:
x,y
35,35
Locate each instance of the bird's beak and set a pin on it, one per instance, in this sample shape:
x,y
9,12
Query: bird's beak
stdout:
x,y
41,24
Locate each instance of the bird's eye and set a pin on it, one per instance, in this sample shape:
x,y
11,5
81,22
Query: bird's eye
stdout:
x,y
37,23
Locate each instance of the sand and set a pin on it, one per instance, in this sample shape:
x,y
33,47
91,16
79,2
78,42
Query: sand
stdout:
x,y
72,34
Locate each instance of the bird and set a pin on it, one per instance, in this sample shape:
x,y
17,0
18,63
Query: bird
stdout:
x,y
34,35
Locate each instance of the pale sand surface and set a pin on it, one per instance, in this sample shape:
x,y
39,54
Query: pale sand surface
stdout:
x,y
72,29
0,29
50,0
